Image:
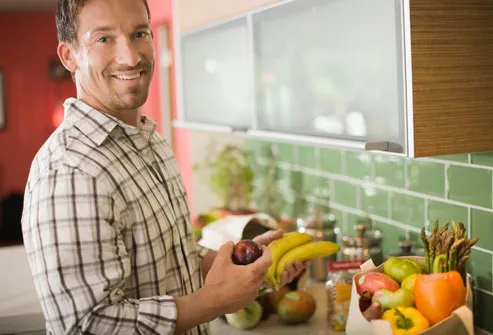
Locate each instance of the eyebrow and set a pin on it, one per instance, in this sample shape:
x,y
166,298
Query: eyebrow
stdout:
x,y
107,28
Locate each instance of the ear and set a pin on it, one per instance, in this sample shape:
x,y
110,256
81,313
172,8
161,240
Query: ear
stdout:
x,y
67,56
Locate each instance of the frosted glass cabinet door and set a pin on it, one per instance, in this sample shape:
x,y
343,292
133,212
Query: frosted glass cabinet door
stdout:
x,y
331,68
216,80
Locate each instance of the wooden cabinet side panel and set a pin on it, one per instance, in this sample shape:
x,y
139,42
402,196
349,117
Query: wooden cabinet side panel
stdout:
x,y
193,14
452,64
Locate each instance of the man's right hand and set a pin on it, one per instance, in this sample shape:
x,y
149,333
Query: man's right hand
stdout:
x,y
236,286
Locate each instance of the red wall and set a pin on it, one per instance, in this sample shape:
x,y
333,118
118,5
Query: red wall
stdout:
x,y
26,47
27,44
161,14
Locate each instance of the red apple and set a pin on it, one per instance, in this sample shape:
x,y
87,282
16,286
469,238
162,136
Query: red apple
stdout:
x,y
374,281
275,297
246,252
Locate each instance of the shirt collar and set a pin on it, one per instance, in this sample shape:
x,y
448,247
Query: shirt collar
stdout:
x,y
97,125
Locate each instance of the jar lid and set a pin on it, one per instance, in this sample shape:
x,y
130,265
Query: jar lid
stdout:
x,y
317,219
362,238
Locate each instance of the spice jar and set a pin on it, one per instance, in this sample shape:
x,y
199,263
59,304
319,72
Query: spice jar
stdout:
x,y
338,287
364,244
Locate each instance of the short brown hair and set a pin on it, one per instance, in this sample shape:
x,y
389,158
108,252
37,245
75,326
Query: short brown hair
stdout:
x,y
66,15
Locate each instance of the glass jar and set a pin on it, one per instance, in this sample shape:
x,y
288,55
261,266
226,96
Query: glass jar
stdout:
x,y
363,245
320,225
338,287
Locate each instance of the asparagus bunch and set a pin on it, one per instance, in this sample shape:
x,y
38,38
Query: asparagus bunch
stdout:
x,y
447,250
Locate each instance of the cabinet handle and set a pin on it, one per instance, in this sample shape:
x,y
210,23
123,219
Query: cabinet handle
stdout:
x,y
202,126
329,142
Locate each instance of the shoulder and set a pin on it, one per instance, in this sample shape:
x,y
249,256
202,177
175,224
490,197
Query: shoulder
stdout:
x,y
67,153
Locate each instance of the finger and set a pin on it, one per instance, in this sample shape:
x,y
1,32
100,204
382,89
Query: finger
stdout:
x,y
284,278
292,271
299,266
267,237
262,264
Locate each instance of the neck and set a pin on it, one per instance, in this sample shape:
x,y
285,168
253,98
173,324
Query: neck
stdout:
x,y
130,117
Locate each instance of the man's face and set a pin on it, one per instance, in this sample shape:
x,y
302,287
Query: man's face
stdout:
x,y
115,54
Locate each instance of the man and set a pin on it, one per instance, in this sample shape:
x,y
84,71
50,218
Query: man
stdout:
x,y
106,221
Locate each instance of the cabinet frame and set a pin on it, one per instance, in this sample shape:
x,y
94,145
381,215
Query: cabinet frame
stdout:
x,y
425,133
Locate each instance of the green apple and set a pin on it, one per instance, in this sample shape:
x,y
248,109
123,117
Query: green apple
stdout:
x,y
400,268
246,318
388,299
408,282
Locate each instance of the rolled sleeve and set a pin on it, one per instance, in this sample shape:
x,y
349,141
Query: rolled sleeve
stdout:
x,y
202,251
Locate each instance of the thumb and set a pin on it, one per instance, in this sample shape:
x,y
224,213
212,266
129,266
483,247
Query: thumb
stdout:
x,y
226,251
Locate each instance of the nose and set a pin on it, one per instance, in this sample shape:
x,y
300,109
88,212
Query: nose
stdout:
x,y
128,52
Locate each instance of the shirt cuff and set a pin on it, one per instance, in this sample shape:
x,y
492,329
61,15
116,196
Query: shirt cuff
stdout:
x,y
158,313
202,251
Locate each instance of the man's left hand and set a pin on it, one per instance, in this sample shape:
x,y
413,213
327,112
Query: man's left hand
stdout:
x,y
293,270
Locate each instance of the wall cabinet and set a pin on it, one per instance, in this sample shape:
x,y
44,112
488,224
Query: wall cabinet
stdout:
x,y
412,77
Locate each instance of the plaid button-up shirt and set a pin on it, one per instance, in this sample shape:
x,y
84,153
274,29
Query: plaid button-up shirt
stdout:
x,y
106,228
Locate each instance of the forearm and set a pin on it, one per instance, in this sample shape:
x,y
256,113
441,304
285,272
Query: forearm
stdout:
x,y
207,261
195,309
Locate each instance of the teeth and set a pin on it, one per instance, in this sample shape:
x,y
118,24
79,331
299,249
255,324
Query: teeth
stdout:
x,y
127,77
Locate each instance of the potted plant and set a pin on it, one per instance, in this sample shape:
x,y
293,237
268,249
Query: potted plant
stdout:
x,y
230,177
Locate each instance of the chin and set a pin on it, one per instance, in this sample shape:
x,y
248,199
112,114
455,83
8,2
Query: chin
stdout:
x,y
129,102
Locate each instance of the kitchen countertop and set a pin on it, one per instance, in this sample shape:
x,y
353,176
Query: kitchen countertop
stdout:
x,y
32,324
317,325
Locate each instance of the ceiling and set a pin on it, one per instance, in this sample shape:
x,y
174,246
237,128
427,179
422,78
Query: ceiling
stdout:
x,y
27,5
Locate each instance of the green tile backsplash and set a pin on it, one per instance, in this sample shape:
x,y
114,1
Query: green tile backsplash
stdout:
x,y
408,208
426,177
446,212
390,170
331,160
307,157
399,194
463,179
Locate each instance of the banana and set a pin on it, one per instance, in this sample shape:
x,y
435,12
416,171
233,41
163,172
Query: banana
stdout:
x,y
305,252
282,245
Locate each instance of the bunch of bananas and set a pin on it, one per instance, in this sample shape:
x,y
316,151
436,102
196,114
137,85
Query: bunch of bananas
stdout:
x,y
292,246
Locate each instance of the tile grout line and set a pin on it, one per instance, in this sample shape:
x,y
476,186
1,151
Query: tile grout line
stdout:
x,y
344,221
471,165
389,205
469,222
373,168
407,178
475,247
332,190
343,162
318,163
355,181
358,197
483,291
375,217
426,159
426,221
446,182
296,157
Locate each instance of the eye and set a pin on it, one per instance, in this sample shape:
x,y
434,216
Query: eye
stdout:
x,y
103,39
141,34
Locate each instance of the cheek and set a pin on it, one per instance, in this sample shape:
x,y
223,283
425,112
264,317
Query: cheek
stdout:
x,y
97,62
149,52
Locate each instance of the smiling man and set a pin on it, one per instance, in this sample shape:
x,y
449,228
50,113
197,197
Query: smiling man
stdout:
x,y
106,222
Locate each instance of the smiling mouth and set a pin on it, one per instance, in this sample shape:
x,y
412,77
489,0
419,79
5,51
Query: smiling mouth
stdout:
x,y
128,76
